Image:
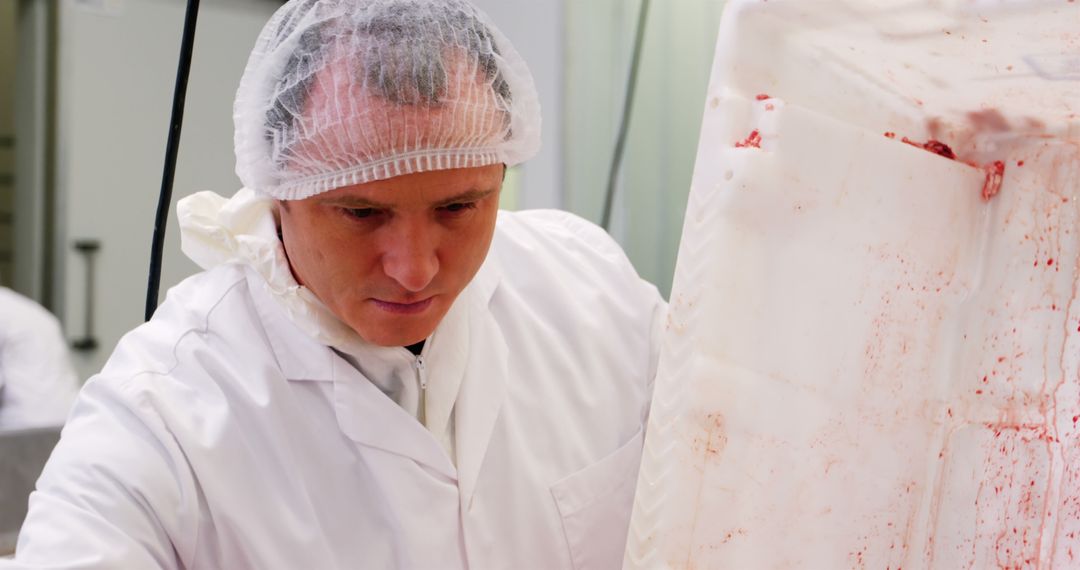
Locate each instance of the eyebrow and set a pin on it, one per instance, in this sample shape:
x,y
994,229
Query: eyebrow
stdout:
x,y
359,203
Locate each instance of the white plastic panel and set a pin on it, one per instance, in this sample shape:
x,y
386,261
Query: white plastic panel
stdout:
x,y
870,363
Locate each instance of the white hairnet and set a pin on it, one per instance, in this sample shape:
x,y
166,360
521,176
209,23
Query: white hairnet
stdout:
x,y
343,92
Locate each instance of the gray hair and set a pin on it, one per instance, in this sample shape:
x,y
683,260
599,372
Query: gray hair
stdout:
x,y
410,70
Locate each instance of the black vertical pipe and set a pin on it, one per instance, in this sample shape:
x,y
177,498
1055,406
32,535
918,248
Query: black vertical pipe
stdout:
x,y
172,148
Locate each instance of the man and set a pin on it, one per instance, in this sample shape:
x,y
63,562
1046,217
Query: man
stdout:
x,y
377,369
37,382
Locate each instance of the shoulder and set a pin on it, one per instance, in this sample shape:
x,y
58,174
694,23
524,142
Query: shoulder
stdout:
x,y
214,303
186,370
572,271
563,240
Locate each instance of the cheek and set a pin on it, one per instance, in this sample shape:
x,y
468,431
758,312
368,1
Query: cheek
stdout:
x,y
318,250
467,247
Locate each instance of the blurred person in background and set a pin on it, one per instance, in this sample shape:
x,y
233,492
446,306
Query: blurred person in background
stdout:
x,y
37,382
377,368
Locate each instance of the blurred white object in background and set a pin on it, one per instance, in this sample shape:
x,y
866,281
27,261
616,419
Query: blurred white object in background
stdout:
x,y
872,355
37,382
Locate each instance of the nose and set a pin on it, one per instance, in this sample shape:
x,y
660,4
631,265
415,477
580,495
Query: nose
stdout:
x,y
410,257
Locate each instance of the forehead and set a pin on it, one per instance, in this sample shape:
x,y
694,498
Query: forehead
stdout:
x,y
423,188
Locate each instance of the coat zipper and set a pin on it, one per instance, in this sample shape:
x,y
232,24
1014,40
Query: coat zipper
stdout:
x,y
421,379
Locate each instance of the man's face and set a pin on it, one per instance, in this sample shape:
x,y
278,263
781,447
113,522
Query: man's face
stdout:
x,y
389,257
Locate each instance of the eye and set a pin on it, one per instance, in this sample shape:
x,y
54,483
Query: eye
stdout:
x,y
458,207
361,213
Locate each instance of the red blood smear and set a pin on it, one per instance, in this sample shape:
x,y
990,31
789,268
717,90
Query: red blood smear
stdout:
x,y
1019,163
1050,261
762,97
995,173
890,135
752,141
936,147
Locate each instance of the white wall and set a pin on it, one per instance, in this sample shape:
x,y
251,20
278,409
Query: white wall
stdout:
x,y
117,67
535,27
664,127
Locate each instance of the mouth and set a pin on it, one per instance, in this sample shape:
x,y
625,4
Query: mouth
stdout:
x,y
404,308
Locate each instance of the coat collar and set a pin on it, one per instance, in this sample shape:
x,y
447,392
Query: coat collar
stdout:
x,y
483,392
368,417
299,356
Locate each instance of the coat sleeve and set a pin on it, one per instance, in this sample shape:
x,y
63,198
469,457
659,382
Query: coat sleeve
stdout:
x,y
116,492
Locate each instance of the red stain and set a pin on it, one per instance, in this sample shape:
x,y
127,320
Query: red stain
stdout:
x,y
1019,163
1050,261
752,141
936,147
995,173
763,96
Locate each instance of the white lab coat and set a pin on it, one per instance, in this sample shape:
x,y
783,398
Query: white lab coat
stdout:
x,y
221,436
37,382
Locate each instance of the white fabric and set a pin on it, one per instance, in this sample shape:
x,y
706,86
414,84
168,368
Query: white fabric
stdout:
x,y
343,92
222,435
37,382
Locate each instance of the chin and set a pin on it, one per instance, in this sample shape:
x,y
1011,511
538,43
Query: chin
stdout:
x,y
391,336
389,330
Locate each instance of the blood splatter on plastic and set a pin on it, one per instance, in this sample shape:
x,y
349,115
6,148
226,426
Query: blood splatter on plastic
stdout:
x,y
936,147
752,141
890,135
989,120
995,173
763,96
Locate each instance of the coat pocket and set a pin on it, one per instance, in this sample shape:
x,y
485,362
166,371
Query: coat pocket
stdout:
x,y
595,505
